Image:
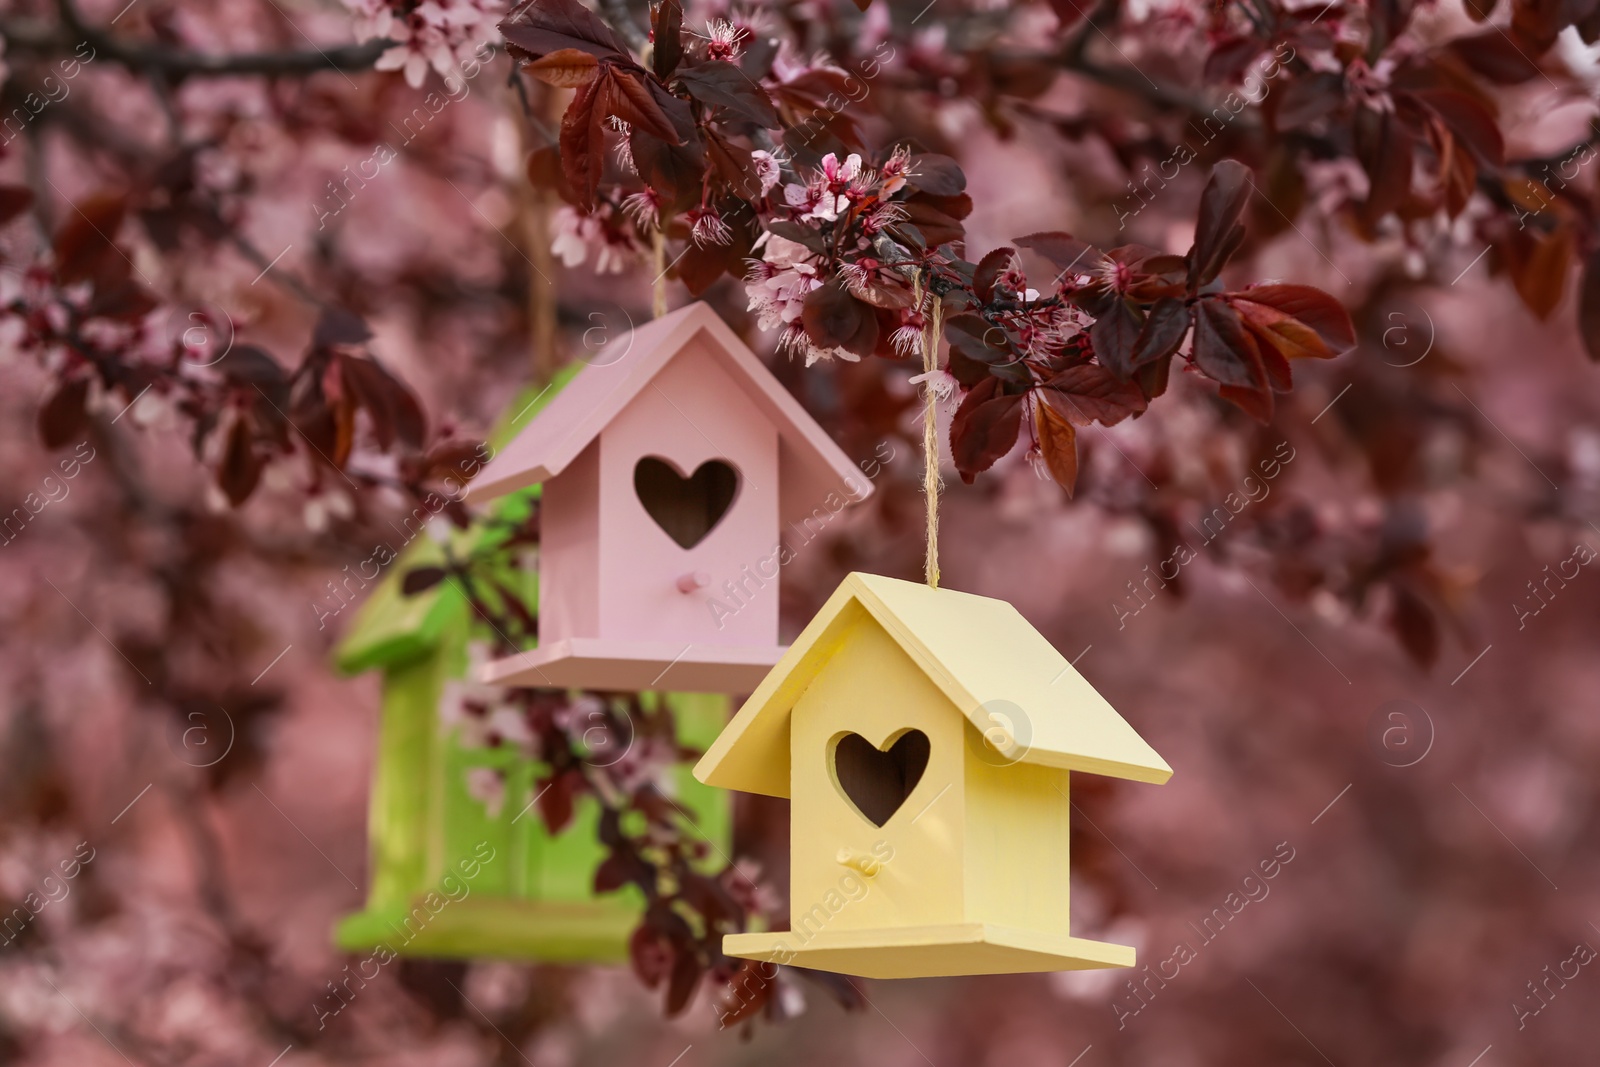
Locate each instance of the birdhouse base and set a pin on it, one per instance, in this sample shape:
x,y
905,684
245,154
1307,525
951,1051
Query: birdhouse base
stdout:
x,y
507,928
605,665
930,951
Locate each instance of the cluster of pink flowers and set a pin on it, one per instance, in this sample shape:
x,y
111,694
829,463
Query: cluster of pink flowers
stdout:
x,y
442,34
777,284
602,234
836,186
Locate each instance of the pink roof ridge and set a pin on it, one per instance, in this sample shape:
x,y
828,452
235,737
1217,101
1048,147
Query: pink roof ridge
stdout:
x,y
600,391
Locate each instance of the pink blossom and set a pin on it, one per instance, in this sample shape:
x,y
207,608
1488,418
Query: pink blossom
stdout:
x,y
777,284
487,786
941,383
767,170
577,235
441,34
643,208
723,40
708,228
896,171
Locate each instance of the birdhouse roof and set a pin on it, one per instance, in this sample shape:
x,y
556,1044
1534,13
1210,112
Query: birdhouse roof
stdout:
x,y
810,461
980,652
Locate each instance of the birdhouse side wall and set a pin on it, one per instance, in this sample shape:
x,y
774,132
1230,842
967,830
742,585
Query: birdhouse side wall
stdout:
x,y
570,551
1019,832
692,413
871,687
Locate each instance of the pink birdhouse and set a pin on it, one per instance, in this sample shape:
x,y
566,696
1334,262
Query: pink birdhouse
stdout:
x,y
670,463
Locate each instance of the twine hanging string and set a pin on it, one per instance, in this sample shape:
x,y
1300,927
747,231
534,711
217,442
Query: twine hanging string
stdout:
x,y
932,322
658,250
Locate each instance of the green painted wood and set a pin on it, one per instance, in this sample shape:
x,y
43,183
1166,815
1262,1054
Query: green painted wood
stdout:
x,y
391,627
533,899
398,823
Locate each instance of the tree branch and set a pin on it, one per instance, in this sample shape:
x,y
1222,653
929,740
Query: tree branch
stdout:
x,y
33,37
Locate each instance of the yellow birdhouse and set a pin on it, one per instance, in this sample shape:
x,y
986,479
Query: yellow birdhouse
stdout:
x,y
925,739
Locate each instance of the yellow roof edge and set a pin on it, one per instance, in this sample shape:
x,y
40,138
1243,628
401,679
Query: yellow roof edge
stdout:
x,y
719,765
727,764
1066,761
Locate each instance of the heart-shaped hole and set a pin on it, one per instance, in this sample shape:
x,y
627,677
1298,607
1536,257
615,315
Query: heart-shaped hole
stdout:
x,y
686,508
877,781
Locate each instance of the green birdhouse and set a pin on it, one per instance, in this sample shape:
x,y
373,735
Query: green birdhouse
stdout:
x,y
451,873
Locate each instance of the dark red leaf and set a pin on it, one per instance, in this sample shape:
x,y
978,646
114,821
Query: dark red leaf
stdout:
x,y
1388,18
650,954
391,407
1089,393
1024,77
1589,306
555,801
700,266
1385,148
958,206
1058,444
834,318
623,94
937,175
613,872
1496,56
551,25
979,349
733,164
1257,403
1469,120
339,327
567,68
984,428
1308,97
1588,27
63,418
14,200
240,470
749,989
686,971
583,142
125,300
1414,623
1114,333
1280,333
84,243
725,85
1221,204
674,171
1152,377
1068,14
1311,306
1164,327
1229,56
1223,348
666,31
938,226
250,365
989,268
421,579
1538,265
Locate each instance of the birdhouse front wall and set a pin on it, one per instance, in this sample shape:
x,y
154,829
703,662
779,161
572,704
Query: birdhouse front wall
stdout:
x,y
846,873
694,418
569,550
